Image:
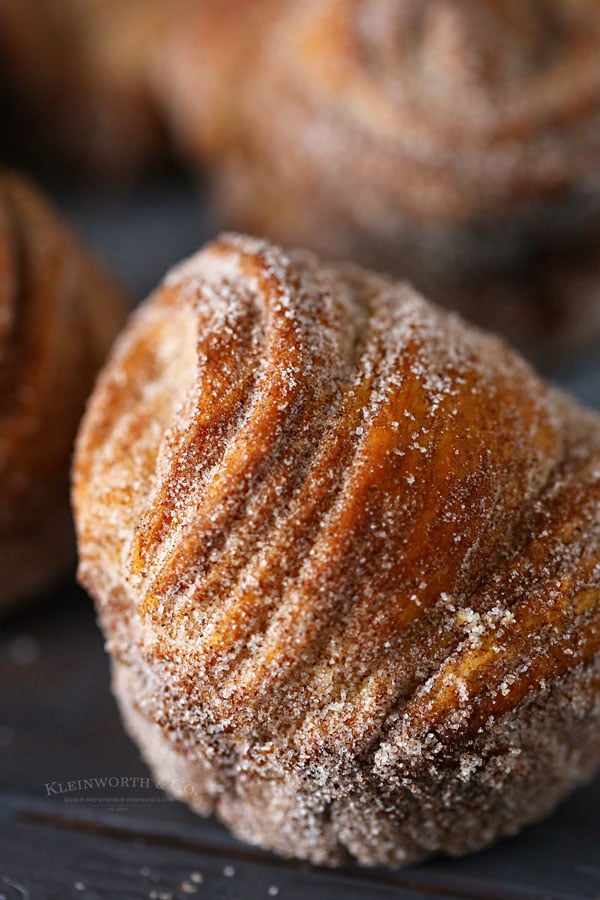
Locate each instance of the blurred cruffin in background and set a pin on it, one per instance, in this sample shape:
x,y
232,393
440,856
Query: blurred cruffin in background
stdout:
x,y
75,81
455,143
58,317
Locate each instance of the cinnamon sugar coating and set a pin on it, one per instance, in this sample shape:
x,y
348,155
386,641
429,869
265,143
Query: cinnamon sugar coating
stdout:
x,y
346,553
452,143
58,316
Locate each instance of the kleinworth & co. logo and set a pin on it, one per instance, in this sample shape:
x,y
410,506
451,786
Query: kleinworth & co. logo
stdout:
x,y
116,792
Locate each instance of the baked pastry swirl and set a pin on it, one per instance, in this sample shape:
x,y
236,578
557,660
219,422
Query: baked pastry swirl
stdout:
x,y
346,551
455,143
58,316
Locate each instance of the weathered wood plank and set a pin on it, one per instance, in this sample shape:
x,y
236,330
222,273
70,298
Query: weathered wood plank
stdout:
x,y
49,854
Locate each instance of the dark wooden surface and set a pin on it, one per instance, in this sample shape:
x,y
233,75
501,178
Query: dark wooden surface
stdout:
x,y
59,724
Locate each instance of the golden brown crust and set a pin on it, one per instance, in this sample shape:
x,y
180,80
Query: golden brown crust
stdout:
x,y
452,143
340,539
58,316
76,74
